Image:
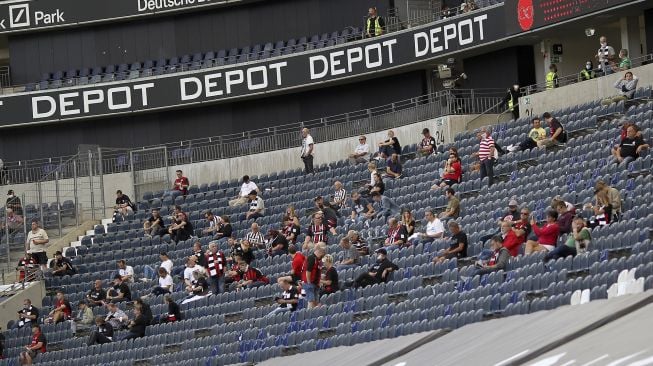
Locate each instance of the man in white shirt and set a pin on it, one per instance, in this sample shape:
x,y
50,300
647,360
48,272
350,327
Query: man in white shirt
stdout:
x,y
245,188
126,272
307,151
605,55
36,242
190,268
434,229
361,153
150,274
256,207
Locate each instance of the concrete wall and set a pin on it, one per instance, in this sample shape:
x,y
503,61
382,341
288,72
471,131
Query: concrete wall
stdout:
x,y
35,291
580,93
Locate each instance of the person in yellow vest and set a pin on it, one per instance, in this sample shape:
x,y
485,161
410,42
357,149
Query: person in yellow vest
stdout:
x,y
375,25
552,77
511,100
587,73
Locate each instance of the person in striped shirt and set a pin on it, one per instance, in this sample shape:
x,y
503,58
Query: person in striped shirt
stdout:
x,y
486,155
255,237
317,232
337,201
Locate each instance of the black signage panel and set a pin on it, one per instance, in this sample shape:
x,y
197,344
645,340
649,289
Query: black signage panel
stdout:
x,y
323,66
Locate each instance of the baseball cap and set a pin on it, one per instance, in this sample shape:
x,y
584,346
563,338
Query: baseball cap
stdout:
x,y
513,202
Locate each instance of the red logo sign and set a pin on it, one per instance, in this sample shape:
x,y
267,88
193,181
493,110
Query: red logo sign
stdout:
x,y
525,14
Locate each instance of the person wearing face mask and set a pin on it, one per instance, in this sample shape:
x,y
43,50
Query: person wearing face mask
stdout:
x,y
552,77
511,100
13,202
588,72
604,56
378,272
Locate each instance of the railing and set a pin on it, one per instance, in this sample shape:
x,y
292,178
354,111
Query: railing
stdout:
x,y
5,76
574,78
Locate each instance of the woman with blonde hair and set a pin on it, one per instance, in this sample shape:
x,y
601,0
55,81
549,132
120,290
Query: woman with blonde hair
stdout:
x,y
329,280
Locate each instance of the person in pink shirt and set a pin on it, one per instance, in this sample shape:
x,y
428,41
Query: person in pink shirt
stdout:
x,y
547,235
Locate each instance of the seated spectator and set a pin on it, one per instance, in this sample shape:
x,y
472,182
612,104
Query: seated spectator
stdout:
x,y
509,238
358,242
181,183
244,249
255,237
330,217
630,147
387,207
116,317
613,198
277,243
452,172
312,273
165,283
225,230
290,230
377,186
577,242
288,299
339,197
389,146
362,210
245,189
126,272
37,346
103,332
62,266
149,272
136,326
626,86
181,229
602,210
146,310
397,235
624,61
427,145
329,279
350,255
97,295
408,221
199,254
296,263
216,265
249,277
522,226
84,318
37,241
12,223
379,272
547,235
570,206
536,135
214,223
120,291
198,288
256,207
27,265
28,314
154,225
565,218
453,205
173,314
61,310
498,260
458,245
393,168
124,207
191,266
556,132
510,215
292,214
434,229
317,232
361,152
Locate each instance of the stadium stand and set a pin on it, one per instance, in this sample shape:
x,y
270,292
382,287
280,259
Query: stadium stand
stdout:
x,y
421,296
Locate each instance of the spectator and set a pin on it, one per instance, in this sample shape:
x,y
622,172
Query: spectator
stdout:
x,y
570,206
453,205
215,222
198,288
588,72
362,210
605,55
556,131
452,172
290,230
165,283
173,314
485,155
565,217
124,206
297,261
602,210
379,185
288,299
61,310
393,168
126,272
191,266
613,198
37,240
307,151
97,295
434,229
624,61
329,279
116,317
371,167
361,152
467,6
317,232
13,202
146,310
397,235
84,318
255,237
292,214
339,197
154,226
498,260
37,346
577,242
375,25
12,222
26,266
136,326
547,235
457,247
256,207
358,242
387,207
28,314
181,183
330,216
552,77
225,230
103,332
245,251
630,147
626,86
427,146
408,221
200,257
245,188
120,291
62,266
181,229
249,277
277,243
509,238
216,266
536,134
311,274
511,100
379,272
389,146
350,256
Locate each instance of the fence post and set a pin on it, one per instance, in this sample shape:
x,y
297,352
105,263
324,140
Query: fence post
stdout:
x,y
101,174
56,190
90,183
76,213
38,186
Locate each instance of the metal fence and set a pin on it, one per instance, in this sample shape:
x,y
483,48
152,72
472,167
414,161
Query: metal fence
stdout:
x,y
5,76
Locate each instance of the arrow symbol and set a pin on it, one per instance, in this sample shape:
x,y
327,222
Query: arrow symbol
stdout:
x,y
2,24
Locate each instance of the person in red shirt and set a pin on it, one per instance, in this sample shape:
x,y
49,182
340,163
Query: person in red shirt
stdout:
x,y
510,240
61,309
249,277
181,183
311,274
36,346
297,261
27,264
547,235
452,172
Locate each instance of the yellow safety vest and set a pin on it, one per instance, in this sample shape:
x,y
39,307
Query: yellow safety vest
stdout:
x,y
377,27
550,80
584,75
510,102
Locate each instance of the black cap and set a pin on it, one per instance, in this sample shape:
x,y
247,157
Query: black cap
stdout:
x,y
11,191
253,193
382,251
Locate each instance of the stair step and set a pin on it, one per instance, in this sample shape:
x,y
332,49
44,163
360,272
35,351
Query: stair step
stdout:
x,y
106,221
76,244
90,232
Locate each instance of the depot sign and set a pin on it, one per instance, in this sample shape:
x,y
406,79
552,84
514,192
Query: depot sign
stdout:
x,y
292,72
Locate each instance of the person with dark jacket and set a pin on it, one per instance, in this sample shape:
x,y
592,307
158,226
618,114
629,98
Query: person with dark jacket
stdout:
x,y
379,272
511,100
174,314
145,310
102,334
138,325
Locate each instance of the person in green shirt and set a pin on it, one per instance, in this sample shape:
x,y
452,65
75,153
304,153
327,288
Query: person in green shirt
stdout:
x,y
577,242
624,61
